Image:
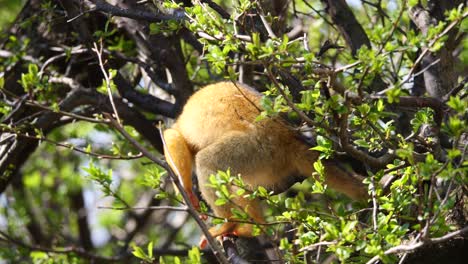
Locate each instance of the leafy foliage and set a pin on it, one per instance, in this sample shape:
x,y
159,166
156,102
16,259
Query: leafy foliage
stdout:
x,y
85,178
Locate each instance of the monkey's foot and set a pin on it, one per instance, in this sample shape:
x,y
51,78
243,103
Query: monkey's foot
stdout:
x,y
204,242
226,229
203,217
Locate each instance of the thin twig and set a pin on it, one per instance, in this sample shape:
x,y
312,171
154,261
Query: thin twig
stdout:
x,y
107,79
74,50
74,148
455,90
427,49
288,101
313,246
271,34
375,206
161,207
63,250
63,80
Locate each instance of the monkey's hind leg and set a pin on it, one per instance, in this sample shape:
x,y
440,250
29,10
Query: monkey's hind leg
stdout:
x,y
180,159
234,226
238,152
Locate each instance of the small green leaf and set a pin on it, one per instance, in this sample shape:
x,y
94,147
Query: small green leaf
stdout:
x,y
138,252
457,104
150,249
194,255
220,201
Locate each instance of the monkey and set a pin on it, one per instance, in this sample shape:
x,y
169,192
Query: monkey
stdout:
x,y
218,130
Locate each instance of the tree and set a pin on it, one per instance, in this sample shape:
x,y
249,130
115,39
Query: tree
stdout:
x,y
85,86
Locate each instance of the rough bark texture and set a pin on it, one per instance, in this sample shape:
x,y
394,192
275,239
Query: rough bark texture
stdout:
x,y
352,31
440,77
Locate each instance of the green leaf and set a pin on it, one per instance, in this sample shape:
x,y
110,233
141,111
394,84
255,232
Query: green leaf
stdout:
x,y
319,168
456,126
412,3
457,104
139,253
393,95
194,255
343,253
363,109
362,143
331,231
318,187
262,191
220,201
39,256
240,192
349,226
150,249
160,196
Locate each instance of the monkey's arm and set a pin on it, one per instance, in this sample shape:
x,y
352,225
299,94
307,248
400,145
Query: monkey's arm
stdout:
x,y
179,157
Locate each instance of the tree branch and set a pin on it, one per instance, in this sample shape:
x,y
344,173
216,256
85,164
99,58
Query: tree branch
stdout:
x,y
344,19
415,101
415,245
63,250
352,31
360,155
78,206
103,6
146,102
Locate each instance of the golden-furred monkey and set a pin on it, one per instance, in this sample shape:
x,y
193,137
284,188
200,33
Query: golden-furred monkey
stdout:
x,y
217,131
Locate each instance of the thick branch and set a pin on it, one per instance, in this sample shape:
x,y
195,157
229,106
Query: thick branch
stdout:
x,y
414,101
360,155
103,6
223,13
415,245
34,224
352,31
144,101
344,19
439,77
18,151
78,205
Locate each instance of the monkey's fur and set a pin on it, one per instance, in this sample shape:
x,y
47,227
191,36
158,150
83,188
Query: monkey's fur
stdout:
x,y
217,131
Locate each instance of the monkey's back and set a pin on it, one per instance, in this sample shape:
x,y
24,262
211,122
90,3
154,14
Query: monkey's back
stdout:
x,y
221,108
222,118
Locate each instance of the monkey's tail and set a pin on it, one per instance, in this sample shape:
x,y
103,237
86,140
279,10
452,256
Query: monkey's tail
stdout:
x,y
344,180
179,157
